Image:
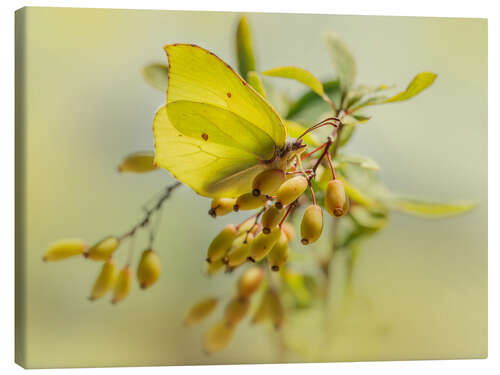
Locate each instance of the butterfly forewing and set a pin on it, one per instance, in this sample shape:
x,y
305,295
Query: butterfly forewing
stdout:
x,y
215,132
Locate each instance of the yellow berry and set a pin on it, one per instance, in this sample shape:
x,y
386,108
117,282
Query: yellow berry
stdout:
x,y
218,337
267,182
250,281
239,251
263,312
312,224
336,201
221,243
122,285
278,255
236,310
149,269
63,249
290,190
105,281
221,206
262,244
215,266
200,311
271,218
276,309
103,250
249,202
138,162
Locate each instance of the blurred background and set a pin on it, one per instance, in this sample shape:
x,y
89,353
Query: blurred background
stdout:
x,y
422,284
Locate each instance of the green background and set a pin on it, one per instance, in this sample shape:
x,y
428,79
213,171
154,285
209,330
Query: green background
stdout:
x,y
421,285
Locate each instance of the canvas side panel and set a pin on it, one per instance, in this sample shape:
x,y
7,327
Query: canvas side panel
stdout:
x,y
20,188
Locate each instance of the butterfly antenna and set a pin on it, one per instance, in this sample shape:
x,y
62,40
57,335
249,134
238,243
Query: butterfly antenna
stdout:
x,y
333,121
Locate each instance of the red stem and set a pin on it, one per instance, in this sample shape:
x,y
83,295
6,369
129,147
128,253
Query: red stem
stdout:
x,y
331,165
312,152
292,205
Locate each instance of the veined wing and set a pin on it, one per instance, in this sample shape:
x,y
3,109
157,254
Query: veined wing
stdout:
x,y
215,168
197,75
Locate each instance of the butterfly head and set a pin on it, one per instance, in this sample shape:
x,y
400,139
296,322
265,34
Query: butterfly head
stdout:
x,y
292,148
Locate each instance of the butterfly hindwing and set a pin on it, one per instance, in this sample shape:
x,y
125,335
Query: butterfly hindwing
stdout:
x,y
211,169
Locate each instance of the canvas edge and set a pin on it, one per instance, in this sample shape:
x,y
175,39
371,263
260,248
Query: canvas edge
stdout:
x,y
20,183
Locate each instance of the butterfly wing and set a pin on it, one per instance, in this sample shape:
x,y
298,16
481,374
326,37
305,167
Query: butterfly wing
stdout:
x,y
215,131
214,167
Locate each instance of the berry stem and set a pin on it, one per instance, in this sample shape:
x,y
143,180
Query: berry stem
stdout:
x,y
312,192
149,212
312,152
322,156
289,209
329,157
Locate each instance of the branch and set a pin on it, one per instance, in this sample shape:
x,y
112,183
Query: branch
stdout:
x,y
147,216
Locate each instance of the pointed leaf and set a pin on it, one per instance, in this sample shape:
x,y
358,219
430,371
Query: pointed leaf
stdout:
x,y
357,93
255,81
430,209
354,120
357,195
298,74
374,100
309,106
244,50
343,60
419,83
156,75
362,161
346,134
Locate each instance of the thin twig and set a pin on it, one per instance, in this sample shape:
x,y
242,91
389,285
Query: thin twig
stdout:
x,y
147,216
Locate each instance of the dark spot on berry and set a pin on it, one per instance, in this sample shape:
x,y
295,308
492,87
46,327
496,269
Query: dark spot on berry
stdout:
x,y
205,136
228,94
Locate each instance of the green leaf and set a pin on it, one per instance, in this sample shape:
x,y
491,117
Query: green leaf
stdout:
x,y
374,100
357,195
419,83
362,161
357,93
430,209
255,81
310,106
346,134
244,50
298,74
294,130
363,90
368,219
343,60
354,120
156,75
300,286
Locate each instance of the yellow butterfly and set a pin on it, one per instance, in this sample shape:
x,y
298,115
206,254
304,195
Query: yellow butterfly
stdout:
x,y
216,133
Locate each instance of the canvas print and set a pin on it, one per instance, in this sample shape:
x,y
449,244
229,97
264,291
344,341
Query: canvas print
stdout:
x,y
224,188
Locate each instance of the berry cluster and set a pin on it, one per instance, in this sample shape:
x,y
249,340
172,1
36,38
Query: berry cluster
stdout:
x,y
269,307
275,193
110,279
